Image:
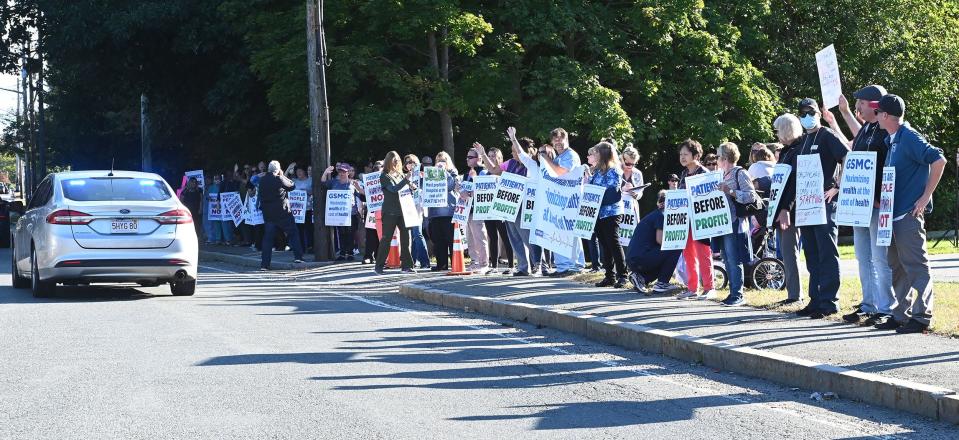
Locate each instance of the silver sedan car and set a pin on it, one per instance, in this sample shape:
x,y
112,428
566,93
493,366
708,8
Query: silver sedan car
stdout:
x,y
85,227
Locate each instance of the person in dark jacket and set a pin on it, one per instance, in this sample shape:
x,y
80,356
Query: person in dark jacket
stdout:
x,y
392,180
273,201
192,198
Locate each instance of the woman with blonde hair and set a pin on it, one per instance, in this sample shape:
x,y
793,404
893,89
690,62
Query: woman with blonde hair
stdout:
x,y
606,172
738,187
788,131
441,219
392,180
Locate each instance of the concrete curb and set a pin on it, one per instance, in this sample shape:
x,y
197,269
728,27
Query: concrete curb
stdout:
x,y
240,260
926,400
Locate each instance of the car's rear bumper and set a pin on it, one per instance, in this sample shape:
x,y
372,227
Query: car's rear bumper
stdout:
x,y
73,264
119,274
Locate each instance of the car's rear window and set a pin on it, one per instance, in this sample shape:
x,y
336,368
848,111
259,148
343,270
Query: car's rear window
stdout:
x,y
91,189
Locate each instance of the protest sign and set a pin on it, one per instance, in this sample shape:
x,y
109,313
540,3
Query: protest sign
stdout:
x,y
857,189
339,207
411,216
711,216
484,190
370,222
198,175
556,208
810,197
630,219
676,224
374,192
509,196
232,207
886,198
214,213
529,202
780,177
252,215
434,187
462,210
829,83
589,204
298,205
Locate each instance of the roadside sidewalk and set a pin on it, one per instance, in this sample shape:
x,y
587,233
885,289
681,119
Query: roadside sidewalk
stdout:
x,y
244,256
915,373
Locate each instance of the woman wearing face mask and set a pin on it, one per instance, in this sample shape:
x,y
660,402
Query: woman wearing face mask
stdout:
x,y
819,241
697,254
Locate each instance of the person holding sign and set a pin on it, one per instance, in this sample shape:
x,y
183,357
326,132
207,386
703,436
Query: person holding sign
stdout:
x,y
697,255
819,240
344,234
272,195
919,167
368,187
645,257
411,164
874,271
475,229
566,160
392,180
441,219
738,187
192,198
789,131
607,173
495,229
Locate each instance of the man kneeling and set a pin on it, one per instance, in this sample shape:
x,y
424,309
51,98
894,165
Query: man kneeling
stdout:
x,y
644,257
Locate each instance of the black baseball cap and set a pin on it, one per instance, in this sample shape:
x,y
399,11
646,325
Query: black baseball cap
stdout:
x,y
808,103
893,105
870,93
672,177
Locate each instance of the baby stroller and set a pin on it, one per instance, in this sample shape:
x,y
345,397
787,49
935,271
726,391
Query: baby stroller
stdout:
x,y
764,271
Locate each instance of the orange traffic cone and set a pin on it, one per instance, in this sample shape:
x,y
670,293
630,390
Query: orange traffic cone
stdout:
x,y
459,265
393,259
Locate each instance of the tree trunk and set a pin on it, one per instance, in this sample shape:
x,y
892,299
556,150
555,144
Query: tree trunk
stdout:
x,y
146,158
440,61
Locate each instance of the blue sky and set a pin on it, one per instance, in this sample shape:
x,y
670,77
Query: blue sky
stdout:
x,y
8,100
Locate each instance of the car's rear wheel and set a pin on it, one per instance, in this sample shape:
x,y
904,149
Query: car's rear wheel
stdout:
x,y
41,289
183,288
19,282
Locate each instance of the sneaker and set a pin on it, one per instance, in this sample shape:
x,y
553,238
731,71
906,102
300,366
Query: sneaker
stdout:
x,y
594,270
788,301
367,261
820,314
639,283
620,283
409,271
560,274
710,294
378,271
297,261
912,326
733,301
872,320
686,294
481,270
606,282
508,271
887,323
661,287
520,273
855,316
264,269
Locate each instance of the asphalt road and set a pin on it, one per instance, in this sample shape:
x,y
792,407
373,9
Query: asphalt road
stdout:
x,y
266,356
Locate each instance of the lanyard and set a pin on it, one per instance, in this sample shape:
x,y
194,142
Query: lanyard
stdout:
x,y
805,146
873,128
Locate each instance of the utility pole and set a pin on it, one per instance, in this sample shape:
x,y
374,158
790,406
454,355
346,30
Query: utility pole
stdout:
x,y
41,124
28,182
145,155
319,124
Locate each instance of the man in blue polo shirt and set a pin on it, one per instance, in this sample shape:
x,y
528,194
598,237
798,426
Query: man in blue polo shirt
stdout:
x,y
566,160
919,167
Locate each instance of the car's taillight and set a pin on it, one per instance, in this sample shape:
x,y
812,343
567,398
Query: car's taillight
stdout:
x,y
69,217
175,217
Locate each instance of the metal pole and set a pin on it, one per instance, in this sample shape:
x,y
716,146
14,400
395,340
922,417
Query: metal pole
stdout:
x,y
41,124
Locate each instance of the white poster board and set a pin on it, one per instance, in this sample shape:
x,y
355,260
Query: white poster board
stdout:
x,y
857,190
411,216
509,196
630,220
298,205
529,203
461,211
886,198
374,192
557,204
828,66
484,191
676,220
779,178
214,212
251,214
434,187
198,175
711,215
339,207
232,207
810,197
589,204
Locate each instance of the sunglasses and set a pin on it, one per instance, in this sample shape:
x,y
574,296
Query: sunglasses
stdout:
x,y
411,163
628,164
808,113
472,157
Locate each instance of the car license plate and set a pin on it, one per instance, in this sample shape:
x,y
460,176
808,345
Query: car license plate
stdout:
x,y
123,226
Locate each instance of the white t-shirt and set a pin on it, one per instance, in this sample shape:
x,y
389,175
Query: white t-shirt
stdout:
x,y
761,169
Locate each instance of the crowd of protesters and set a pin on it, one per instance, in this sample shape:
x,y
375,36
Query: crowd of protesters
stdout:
x,y
897,290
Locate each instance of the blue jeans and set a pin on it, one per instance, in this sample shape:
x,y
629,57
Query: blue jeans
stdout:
x,y
575,264
592,246
874,271
822,262
735,252
419,247
212,233
519,241
292,237
227,229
